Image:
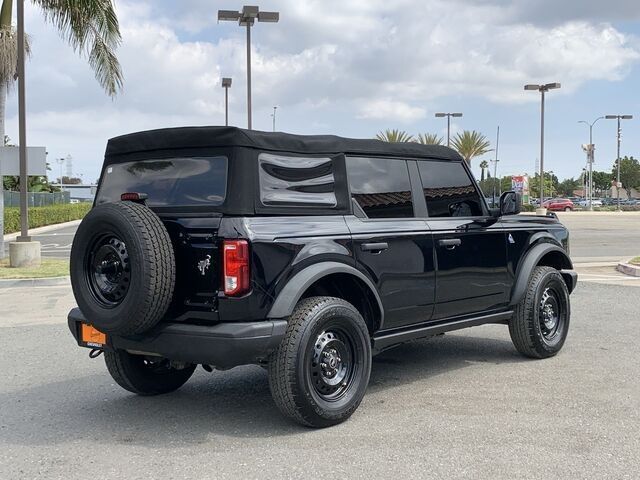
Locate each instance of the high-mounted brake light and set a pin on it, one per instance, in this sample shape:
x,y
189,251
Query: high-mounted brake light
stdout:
x,y
133,196
235,254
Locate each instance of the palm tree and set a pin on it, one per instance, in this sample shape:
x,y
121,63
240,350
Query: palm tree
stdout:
x,y
89,26
394,136
429,139
470,144
484,165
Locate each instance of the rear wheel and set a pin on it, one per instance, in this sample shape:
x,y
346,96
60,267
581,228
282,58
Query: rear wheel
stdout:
x,y
540,323
145,375
567,209
319,374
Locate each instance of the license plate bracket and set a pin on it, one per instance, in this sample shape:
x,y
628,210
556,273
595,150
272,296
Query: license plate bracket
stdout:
x,y
91,336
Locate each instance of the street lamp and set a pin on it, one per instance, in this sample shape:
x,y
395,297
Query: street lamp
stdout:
x,y
618,117
590,158
226,84
246,18
542,89
60,161
273,116
448,115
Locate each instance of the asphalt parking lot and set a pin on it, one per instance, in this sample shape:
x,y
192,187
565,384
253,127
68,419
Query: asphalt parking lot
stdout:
x,y
462,405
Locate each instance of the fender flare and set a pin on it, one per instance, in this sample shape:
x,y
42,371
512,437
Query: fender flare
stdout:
x,y
530,261
292,292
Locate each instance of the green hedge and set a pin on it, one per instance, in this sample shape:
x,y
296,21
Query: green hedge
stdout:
x,y
41,216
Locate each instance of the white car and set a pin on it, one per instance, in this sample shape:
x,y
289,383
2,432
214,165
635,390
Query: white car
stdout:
x,y
585,203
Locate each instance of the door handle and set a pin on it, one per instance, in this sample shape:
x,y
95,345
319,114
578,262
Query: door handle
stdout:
x,y
374,247
450,243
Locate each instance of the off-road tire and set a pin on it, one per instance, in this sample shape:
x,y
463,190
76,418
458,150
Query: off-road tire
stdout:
x,y
150,265
139,376
290,367
527,328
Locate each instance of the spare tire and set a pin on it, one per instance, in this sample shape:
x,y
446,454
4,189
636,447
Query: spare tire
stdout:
x,y
122,268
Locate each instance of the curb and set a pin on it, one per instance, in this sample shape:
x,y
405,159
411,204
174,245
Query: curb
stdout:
x,y
629,269
34,282
11,237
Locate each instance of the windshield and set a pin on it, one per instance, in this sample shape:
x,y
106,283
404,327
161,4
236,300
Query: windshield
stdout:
x,y
168,182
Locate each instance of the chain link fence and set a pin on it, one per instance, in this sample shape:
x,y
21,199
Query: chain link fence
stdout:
x,y
36,199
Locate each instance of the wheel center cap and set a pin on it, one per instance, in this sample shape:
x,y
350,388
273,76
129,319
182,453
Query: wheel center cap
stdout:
x,y
330,361
549,316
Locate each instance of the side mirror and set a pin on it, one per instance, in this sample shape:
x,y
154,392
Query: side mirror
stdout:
x,y
510,203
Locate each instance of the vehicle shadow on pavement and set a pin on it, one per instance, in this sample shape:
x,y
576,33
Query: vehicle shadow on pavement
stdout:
x,y
235,403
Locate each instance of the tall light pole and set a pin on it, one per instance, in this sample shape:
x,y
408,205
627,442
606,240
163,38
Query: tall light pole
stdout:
x,y
61,163
273,116
246,18
495,167
619,136
226,84
590,159
542,89
22,127
448,115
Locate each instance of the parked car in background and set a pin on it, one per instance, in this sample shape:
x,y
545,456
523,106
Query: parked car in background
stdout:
x,y
595,202
609,201
559,205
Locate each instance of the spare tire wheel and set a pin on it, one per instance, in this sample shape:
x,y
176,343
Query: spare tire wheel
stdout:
x,y
122,268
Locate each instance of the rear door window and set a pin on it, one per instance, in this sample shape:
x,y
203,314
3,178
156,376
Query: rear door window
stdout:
x,y
449,190
381,186
168,182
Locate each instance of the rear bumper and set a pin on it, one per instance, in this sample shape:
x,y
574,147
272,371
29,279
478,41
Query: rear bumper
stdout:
x,y
223,345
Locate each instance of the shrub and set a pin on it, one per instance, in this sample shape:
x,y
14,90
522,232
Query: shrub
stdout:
x,y
528,208
41,216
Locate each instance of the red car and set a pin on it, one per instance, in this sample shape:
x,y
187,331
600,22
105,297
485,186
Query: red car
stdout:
x,y
558,205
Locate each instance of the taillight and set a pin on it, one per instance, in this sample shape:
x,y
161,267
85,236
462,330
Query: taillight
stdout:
x,y
235,254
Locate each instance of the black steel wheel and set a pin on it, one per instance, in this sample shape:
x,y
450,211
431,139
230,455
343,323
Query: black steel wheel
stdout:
x,y
540,323
146,375
108,270
319,374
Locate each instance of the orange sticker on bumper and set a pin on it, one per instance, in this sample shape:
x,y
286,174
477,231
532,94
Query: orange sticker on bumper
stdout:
x,y
92,336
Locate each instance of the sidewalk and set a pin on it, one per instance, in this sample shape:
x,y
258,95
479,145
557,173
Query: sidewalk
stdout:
x,y
11,237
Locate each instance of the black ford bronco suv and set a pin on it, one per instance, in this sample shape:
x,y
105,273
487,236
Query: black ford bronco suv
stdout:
x,y
219,247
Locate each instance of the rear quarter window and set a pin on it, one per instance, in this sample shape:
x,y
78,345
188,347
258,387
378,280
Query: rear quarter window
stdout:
x,y
299,182
168,182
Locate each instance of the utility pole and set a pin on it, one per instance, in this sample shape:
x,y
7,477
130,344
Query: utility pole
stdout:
x,y
590,150
619,136
246,18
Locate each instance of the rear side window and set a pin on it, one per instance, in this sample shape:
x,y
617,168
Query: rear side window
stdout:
x,y
168,182
381,186
297,181
449,190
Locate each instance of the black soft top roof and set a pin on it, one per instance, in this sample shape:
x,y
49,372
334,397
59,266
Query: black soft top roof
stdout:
x,y
206,137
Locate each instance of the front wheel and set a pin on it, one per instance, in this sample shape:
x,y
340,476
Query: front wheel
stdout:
x,y
540,323
145,375
319,374
567,209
